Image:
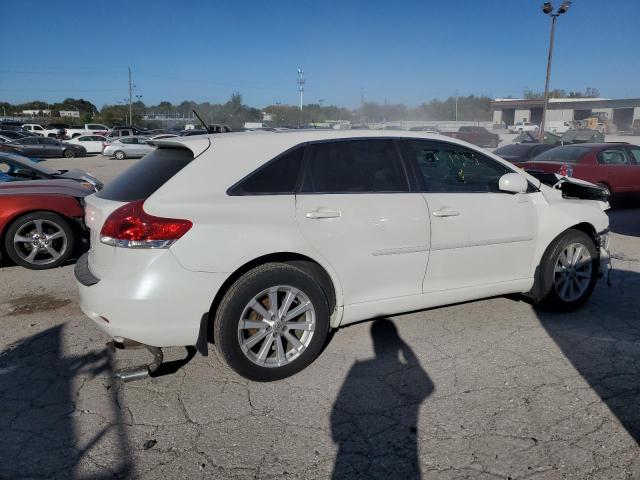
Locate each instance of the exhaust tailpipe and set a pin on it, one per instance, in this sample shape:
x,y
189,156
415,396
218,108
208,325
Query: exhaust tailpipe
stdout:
x,y
141,372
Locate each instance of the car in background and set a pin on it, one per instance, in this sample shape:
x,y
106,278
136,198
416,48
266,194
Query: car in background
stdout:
x,y
524,127
193,132
38,129
91,143
15,167
424,129
43,147
86,129
518,153
479,136
41,221
614,166
128,147
14,134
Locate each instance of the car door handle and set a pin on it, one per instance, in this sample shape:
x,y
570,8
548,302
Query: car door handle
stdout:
x,y
445,213
319,214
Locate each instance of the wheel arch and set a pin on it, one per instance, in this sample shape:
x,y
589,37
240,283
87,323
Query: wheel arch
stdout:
x,y
585,227
318,272
71,219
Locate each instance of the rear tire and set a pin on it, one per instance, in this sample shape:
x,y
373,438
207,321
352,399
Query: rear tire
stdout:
x,y
568,271
119,155
266,343
49,233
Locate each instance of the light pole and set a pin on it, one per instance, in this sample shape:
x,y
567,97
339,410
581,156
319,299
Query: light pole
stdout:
x,y
301,82
547,9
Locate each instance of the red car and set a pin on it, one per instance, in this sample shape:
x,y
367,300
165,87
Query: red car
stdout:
x,y
615,166
41,221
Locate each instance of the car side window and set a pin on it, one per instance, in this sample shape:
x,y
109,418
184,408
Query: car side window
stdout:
x,y
48,141
635,152
354,166
448,168
277,177
127,140
613,156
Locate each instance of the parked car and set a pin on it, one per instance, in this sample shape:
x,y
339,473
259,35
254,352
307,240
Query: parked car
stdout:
x,y
477,135
424,129
518,153
87,129
615,166
524,127
128,147
14,135
120,132
91,143
15,167
41,131
41,221
191,133
272,240
41,147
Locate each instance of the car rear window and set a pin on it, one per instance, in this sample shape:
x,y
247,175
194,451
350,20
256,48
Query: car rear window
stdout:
x,y
562,154
147,175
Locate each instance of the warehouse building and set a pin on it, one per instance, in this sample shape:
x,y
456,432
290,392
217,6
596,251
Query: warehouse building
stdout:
x,y
617,114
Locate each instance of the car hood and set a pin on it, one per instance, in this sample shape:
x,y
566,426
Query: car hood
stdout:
x,y
45,187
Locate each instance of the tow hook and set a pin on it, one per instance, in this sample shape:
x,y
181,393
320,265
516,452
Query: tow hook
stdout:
x,y
140,372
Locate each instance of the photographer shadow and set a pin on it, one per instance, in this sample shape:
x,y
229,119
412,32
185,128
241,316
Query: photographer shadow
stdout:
x,y
375,416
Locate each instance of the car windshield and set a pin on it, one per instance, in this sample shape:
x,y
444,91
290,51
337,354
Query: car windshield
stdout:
x,y
27,163
562,154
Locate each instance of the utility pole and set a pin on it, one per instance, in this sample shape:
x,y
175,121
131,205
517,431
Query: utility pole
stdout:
x,y
456,105
130,100
547,9
301,81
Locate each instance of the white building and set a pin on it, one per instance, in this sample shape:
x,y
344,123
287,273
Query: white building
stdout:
x,y
620,112
70,113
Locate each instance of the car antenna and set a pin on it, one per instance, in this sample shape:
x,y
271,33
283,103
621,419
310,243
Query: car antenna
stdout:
x,y
201,121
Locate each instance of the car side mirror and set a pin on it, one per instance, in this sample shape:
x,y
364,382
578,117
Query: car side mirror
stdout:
x,y
23,173
513,183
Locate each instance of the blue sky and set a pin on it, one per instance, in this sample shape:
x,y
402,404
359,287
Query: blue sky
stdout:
x,y
401,51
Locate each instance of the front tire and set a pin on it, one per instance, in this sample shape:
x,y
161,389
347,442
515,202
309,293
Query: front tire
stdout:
x,y
119,155
568,271
68,153
272,322
39,240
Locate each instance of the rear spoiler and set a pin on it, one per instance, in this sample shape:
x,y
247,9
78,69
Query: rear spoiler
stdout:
x,y
572,187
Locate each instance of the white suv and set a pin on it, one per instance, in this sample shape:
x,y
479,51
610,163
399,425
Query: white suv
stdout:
x,y
263,242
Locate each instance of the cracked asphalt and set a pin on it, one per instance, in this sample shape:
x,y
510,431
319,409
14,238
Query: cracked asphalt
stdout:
x,y
481,390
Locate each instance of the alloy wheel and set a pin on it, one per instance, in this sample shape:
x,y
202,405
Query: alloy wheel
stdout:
x,y
40,242
572,272
276,326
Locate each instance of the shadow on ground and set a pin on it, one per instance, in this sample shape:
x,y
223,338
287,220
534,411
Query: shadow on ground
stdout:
x,y
625,218
602,341
41,430
374,419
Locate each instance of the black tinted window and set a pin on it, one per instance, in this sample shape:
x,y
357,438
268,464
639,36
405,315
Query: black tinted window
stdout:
x,y
566,154
147,175
276,177
354,166
448,168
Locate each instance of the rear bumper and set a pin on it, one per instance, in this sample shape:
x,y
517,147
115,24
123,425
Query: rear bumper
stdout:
x,y
161,305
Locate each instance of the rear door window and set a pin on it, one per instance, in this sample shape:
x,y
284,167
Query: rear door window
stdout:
x,y
354,166
613,156
635,152
147,175
278,177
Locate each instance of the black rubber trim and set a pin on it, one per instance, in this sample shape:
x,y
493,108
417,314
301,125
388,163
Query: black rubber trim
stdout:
x,y
202,344
82,272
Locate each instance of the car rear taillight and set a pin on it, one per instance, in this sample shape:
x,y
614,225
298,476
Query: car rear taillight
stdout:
x,y
131,227
566,171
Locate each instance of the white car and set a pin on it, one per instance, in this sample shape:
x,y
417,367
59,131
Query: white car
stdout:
x,y
524,127
269,240
128,147
40,130
91,143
